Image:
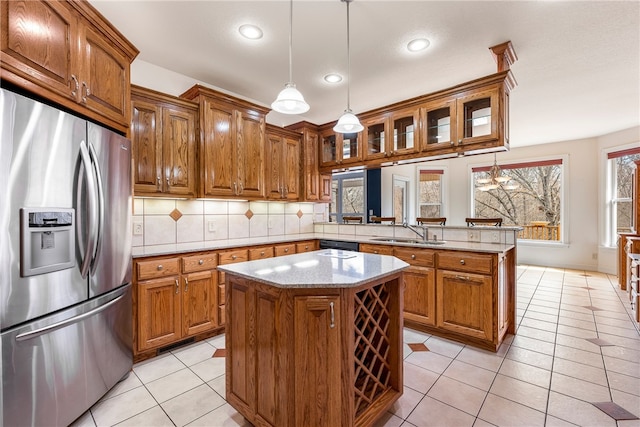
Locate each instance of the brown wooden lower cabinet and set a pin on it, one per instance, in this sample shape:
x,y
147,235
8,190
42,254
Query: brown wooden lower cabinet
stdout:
x,y
183,297
313,357
465,296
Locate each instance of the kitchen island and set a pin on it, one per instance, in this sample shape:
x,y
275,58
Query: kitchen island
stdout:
x,y
314,338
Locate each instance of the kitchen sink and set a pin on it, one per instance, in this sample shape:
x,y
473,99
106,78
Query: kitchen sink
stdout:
x,y
411,241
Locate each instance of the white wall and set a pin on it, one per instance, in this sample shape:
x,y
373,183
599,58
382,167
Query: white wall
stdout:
x,y
584,183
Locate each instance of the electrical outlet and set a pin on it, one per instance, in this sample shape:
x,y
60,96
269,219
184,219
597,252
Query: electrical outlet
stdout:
x,y
211,226
137,228
495,237
473,236
594,256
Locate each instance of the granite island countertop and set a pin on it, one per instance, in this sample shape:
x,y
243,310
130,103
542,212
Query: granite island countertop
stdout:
x,y
325,268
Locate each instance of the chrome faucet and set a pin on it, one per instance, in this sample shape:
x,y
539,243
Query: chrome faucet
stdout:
x,y
424,235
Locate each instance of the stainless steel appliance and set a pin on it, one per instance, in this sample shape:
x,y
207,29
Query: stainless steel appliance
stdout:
x,y
65,262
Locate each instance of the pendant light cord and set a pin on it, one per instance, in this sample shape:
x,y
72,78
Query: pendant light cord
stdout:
x,y
290,41
348,61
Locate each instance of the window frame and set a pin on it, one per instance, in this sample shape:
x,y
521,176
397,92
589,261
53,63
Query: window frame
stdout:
x,y
532,162
611,191
443,172
335,215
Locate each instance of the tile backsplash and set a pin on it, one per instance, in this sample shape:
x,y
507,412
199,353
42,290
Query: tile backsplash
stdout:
x,y
169,221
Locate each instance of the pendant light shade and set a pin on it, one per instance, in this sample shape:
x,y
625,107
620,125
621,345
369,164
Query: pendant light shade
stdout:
x,y
348,122
290,100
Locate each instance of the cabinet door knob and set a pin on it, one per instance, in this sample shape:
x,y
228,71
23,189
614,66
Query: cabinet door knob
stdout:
x,y
177,286
462,261
86,92
201,262
413,256
160,267
186,284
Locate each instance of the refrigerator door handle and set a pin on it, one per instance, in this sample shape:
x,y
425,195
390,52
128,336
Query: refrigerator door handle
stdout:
x,y
59,325
100,199
90,246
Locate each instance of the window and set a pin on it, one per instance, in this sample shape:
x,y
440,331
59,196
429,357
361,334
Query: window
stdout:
x,y
620,189
400,198
347,196
430,193
531,198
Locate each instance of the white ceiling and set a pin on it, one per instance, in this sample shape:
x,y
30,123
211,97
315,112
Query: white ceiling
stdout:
x,y
578,68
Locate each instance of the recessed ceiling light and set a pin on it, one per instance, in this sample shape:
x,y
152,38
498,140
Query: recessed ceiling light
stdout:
x,y
250,31
333,78
417,45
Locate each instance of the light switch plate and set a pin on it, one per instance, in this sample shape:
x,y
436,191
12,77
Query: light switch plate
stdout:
x,y
211,226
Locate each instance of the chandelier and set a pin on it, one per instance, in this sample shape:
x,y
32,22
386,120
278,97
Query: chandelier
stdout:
x,y
496,179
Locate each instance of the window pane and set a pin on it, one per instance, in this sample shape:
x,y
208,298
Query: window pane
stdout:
x,y
530,199
624,170
430,211
623,216
353,195
429,190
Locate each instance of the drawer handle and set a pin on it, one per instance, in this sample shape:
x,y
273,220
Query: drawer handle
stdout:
x,y
333,316
286,250
462,262
186,284
466,278
160,267
262,253
201,261
375,252
177,286
413,256
233,257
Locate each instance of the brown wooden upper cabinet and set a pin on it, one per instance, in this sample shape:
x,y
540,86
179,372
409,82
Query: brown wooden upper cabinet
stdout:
x,y
283,160
83,64
232,141
392,134
163,135
340,149
472,120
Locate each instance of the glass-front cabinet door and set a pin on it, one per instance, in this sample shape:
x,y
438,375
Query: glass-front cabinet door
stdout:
x,y
375,138
340,148
439,119
329,152
404,125
477,116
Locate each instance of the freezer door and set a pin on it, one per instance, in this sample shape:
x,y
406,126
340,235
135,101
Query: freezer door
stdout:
x,y
58,367
111,156
38,165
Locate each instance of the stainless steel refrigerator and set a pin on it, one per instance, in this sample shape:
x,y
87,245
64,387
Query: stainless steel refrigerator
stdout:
x,y
65,262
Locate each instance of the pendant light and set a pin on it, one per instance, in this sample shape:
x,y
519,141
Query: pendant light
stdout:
x,y
290,100
348,122
496,179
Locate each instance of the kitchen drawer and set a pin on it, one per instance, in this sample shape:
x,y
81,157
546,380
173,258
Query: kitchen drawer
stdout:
x,y
158,268
415,256
261,253
233,256
208,261
376,249
306,247
289,249
464,261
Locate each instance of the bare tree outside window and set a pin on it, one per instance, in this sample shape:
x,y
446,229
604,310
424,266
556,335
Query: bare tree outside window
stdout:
x,y
347,196
430,193
535,203
622,202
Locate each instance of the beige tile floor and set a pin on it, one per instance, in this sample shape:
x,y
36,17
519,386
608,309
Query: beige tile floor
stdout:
x,y
546,375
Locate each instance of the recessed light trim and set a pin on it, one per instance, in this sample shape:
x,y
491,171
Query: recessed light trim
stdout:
x,y
251,32
416,45
333,78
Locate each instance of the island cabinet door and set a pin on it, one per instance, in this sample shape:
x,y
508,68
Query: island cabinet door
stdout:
x,y
317,361
465,303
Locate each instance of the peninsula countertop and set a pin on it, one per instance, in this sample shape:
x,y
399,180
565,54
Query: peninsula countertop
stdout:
x,y
326,268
